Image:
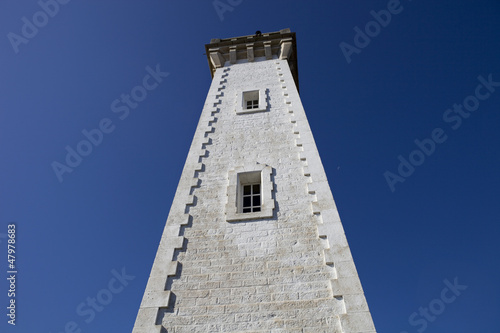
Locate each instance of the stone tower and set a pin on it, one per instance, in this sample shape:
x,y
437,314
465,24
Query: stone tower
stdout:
x,y
253,241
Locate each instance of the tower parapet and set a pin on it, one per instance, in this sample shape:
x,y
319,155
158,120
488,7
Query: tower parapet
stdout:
x,y
272,45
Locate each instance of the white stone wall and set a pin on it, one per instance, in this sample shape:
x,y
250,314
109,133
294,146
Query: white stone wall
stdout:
x,y
289,273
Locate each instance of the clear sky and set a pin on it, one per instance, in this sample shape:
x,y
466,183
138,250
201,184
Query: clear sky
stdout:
x,y
403,100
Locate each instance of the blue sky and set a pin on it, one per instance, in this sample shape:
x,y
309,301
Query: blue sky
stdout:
x,y
93,232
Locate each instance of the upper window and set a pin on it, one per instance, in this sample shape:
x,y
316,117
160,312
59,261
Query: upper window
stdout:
x,y
253,104
251,101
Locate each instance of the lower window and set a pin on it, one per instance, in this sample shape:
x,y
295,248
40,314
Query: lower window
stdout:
x,y
251,198
250,193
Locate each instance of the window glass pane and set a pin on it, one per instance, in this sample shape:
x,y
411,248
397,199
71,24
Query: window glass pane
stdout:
x,y
256,200
256,209
246,201
247,210
256,189
247,189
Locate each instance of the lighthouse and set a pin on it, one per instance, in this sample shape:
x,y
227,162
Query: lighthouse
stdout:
x,y
253,241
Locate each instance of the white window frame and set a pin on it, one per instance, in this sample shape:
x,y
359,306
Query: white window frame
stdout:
x,y
242,98
249,174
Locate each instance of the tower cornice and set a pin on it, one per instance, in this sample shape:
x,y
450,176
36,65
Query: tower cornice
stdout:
x,y
280,44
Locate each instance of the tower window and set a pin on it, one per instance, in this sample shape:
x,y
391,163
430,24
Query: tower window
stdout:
x,y
250,193
251,198
253,104
251,101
